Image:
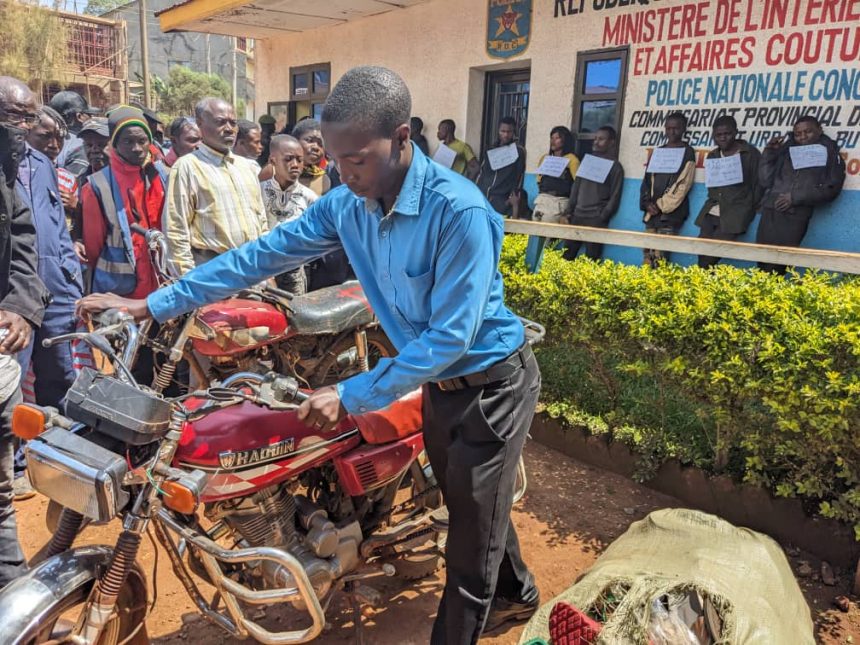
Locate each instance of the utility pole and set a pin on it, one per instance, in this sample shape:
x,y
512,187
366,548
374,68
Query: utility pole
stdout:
x,y
208,56
235,93
144,55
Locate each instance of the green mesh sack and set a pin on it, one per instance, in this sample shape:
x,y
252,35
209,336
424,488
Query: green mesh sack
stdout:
x,y
744,574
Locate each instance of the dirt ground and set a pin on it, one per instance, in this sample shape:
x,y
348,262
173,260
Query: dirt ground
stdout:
x,y
569,515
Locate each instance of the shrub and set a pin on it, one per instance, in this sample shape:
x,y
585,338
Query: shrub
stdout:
x,y
733,370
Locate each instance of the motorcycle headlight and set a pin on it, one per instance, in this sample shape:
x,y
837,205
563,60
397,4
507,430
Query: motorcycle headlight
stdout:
x,y
77,473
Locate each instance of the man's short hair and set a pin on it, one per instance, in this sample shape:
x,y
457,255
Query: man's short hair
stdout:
x,y
374,99
809,119
245,128
508,120
304,126
280,139
608,129
450,124
416,123
203,105
726,121
678,116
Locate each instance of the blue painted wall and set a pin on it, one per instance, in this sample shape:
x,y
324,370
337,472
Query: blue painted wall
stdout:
x,y
834,227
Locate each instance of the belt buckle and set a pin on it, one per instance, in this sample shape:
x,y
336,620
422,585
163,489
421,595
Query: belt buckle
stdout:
x,y
456,384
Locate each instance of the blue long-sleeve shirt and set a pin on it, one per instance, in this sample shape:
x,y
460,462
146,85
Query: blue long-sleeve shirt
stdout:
x,y
429,270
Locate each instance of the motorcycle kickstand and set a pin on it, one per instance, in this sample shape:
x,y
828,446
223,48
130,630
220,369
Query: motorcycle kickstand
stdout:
x,y
355,603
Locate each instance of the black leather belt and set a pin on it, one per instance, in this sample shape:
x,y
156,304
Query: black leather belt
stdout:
x,y
501,370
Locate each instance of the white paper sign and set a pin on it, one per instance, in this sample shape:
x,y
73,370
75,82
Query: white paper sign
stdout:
x,y
552,166
666,161
503,156
595,169
814,156
724,171
444,156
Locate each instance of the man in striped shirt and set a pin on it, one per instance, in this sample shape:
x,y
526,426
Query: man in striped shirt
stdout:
x,y
214,202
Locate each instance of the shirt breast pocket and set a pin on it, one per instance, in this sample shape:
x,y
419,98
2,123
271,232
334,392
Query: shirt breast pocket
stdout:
x,y
413,297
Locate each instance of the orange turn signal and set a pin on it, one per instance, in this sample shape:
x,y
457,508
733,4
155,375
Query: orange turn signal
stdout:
x,y
179,498
28,421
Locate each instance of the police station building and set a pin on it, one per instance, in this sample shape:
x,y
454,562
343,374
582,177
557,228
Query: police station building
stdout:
x,y
578,63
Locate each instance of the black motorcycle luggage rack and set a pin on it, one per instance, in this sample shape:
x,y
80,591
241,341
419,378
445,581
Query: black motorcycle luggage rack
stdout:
x,y
117,409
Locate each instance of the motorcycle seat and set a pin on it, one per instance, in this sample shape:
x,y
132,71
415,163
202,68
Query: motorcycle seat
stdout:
x,y
330,310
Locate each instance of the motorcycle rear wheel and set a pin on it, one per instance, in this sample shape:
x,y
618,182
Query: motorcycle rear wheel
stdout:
x,y
328,372
130,612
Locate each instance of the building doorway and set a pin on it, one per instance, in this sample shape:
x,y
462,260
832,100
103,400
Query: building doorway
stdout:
x,y
506,94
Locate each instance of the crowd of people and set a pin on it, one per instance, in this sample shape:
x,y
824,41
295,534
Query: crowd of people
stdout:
x,y
76,179
747,182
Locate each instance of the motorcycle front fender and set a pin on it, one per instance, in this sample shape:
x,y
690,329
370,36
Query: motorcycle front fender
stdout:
x,y
27,600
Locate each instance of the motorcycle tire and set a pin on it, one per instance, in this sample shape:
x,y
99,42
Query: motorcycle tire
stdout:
x,y
327,371
127,625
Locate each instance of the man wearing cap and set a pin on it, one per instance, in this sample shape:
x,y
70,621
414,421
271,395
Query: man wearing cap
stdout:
x,y
129,190
214,202
74,109
95,135
58,268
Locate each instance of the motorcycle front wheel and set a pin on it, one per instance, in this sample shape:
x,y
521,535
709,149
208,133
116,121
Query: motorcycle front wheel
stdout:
x,y
127,625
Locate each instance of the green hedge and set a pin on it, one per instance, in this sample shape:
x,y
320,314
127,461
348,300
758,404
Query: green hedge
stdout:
x,y
736,371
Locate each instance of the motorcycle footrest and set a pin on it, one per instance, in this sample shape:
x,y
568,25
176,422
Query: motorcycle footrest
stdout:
x,y
439,518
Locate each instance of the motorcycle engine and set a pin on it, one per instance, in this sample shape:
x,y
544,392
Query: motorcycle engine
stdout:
x,y
274,517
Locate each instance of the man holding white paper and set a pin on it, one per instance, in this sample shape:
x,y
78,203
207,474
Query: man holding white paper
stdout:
x,y
734,191
503,170
453,153
798,173
596,192
664,196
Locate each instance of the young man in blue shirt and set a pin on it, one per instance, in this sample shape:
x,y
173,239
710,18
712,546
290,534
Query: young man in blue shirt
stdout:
x,y
425,245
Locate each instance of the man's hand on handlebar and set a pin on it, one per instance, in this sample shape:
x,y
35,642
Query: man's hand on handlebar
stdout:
x,y
98,302
323,409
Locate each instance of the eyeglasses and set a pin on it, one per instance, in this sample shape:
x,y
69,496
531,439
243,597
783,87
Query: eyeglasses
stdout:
x,y
16,118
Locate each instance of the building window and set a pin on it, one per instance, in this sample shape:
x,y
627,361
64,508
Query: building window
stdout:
x,y
242,44
601,79
310,82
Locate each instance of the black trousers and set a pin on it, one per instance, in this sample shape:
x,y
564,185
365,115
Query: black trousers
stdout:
x,y
474,438
710,230
782,228
593,250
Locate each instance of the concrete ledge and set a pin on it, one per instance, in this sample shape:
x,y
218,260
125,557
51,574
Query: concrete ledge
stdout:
x,y
783,519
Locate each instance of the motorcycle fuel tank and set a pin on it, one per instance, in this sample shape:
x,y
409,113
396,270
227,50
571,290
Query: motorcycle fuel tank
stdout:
x,y
234,326
245,448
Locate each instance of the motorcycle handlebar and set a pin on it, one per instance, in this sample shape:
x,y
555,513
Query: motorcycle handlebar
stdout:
x,y
137,228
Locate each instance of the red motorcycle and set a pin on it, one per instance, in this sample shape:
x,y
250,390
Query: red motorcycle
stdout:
x,y
238,491
240,494
319,338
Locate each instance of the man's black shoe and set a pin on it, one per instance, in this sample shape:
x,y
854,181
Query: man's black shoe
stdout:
x,y
508,611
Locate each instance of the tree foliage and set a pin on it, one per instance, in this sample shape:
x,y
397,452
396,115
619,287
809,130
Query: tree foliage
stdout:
x,y
99,7
34,47
183,88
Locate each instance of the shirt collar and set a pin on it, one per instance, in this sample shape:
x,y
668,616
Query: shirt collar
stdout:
x,y
409,198
213,155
